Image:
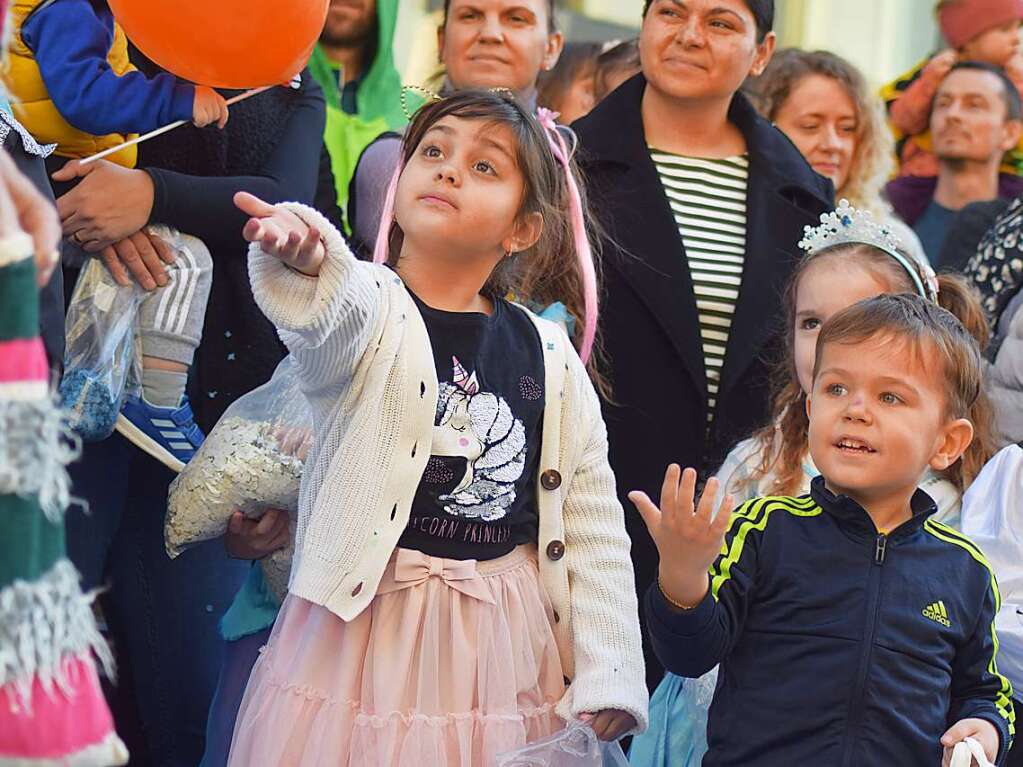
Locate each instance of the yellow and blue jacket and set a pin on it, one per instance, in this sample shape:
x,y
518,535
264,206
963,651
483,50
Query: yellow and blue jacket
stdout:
x,y
837,644
72,85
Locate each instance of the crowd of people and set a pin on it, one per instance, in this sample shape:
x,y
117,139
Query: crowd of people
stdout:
x,y
671,385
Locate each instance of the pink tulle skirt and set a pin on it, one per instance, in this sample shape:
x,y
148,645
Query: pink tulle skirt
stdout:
x,y
451,665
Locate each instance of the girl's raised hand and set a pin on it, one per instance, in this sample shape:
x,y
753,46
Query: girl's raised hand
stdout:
x,y
688,536
282,234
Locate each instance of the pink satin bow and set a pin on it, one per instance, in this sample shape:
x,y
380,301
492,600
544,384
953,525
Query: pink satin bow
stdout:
x,y
413,568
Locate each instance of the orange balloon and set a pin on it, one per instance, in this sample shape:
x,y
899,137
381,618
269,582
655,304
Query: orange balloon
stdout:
x,y
225,43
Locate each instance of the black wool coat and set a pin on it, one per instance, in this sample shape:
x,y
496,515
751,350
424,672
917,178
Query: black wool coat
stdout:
x,y
649,322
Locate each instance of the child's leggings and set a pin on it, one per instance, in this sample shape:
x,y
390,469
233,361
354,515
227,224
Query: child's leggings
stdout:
x,y
170,319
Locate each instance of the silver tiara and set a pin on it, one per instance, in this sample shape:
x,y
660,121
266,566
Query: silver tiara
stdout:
x,y
846,225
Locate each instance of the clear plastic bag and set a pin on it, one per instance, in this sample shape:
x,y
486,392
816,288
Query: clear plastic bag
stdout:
x,y
575,746
251,461
100,358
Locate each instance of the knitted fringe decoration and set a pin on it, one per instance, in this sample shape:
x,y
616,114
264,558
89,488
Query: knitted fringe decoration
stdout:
x,y
43,624
36,445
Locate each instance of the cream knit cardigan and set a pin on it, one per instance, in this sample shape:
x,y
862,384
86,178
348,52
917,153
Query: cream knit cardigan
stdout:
x,y
367,367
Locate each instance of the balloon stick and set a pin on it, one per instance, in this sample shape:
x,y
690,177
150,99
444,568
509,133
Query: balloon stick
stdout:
x,y
166,128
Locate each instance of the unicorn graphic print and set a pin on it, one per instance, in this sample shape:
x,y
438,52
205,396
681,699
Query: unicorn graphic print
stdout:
x,y
481,428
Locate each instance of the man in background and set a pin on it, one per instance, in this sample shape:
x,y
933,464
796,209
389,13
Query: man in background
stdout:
x,y
354,64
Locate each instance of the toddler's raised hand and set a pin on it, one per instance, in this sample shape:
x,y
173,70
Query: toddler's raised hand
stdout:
x,y
209,107
688,536
282,234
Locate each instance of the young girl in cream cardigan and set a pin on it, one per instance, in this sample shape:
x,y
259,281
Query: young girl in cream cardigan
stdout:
x,y
462,582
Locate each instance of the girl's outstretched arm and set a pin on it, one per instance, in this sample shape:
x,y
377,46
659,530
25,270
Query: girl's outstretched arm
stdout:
x,y
323,302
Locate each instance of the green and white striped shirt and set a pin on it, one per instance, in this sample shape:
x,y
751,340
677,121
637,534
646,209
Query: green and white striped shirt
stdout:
x,y
708,198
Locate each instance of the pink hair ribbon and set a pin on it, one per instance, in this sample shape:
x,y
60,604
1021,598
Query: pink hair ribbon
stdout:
x,y
584,253
383,243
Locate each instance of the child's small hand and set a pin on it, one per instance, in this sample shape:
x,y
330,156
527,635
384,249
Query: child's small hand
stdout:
x,y
257,538
609,724
688,539
980,730
209,107
942,63
282,234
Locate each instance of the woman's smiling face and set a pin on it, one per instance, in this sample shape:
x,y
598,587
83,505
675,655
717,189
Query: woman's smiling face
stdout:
x,y
700,49
498,43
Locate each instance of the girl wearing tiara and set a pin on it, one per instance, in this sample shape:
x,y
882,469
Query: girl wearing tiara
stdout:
x,y
848,258
460,553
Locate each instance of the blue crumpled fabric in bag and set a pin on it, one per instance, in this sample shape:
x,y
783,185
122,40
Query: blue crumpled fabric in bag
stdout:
x,y
677,736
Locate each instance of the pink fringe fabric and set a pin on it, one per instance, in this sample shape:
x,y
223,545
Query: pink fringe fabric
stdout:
x,y
451,665
69,726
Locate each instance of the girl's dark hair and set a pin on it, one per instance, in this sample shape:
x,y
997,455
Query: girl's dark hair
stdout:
x,y
762,10
550,270
552,22
781,444
576,60
621,59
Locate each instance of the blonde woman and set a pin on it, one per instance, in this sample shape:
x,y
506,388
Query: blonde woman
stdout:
x,y
823,104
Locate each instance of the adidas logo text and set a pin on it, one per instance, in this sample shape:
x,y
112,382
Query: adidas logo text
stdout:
x,y
937,613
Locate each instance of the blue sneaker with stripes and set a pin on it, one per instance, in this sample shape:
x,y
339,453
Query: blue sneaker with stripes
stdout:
x,y
170,435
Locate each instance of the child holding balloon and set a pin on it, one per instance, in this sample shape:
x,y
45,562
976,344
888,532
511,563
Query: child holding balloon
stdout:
x,y
73,86
461,548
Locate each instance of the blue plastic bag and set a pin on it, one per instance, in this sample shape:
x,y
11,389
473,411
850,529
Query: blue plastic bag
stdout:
x,y
677,736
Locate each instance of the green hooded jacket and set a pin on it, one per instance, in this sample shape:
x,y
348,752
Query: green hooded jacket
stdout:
x,y
378,100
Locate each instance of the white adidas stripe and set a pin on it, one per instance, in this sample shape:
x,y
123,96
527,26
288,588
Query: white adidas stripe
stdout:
x,y
193,283
178,306
172,312
166,296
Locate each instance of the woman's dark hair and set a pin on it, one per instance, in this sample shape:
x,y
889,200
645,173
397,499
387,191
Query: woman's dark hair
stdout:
x,y
552,22
762,10
550,270
577,60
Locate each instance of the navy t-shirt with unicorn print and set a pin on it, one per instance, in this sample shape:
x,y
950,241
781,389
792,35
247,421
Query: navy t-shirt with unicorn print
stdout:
x,y
477,498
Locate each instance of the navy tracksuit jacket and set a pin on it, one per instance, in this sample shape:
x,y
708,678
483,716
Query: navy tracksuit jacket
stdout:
x,y
839,646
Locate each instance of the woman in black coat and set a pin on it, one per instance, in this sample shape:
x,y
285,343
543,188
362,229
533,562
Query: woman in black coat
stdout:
x,y
704,203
